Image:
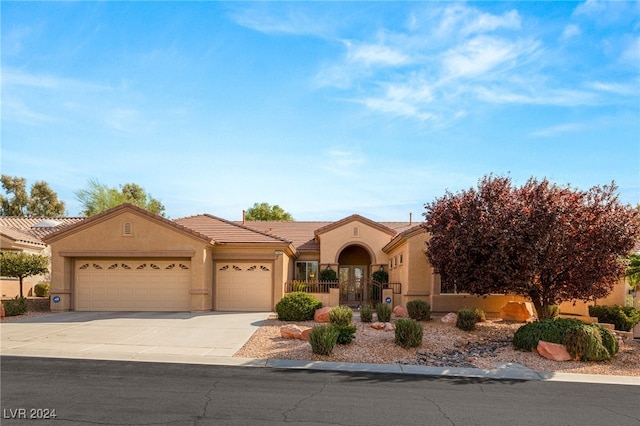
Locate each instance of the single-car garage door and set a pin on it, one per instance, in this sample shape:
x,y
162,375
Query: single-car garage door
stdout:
x,y
132,285
243,286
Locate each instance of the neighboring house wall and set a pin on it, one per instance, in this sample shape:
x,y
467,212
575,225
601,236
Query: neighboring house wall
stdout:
x,y
10,287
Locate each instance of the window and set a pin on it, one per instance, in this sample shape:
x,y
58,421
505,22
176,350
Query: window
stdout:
x,y
306,271
356,231
400,259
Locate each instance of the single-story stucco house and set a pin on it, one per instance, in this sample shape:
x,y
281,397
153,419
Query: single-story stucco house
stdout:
x,y
128,259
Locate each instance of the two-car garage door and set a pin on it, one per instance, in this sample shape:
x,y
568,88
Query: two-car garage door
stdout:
x,y
132,285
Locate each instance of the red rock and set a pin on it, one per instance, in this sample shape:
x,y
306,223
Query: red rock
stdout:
x,y
517,311
450,318
400,311
553,351
322,314
304,334
290,331
377,325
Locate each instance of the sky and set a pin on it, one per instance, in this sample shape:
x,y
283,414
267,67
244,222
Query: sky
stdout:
x,y
324,108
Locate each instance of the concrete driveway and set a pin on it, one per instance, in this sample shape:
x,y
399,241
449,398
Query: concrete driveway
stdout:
x,y
202,338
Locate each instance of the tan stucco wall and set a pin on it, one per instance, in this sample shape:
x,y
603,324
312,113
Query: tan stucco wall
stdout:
x,y
415,273
149,239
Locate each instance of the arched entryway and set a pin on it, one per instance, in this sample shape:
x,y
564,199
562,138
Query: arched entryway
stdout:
x,y
353,272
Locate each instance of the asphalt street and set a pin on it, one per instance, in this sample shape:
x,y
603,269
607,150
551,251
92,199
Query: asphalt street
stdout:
x,y
127,393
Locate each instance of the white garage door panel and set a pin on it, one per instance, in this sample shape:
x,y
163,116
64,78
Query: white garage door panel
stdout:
x,y
133,285
244,286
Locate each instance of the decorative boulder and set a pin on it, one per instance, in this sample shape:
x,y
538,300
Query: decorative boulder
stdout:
x,y
389,327
304,334
377,325
322,314
553,351
450,318
400,311
517,311
290,331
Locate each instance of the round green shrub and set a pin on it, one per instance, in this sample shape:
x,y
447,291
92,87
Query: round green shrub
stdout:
x,y
366,313
15,306
467,319
624,318
419,310
322,339
587,342
346,333
341,315
383,312
328,274
408,333
297,306
42,289
526,338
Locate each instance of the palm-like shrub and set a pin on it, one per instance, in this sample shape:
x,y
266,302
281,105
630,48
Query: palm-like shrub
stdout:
x,y
383,312
419,310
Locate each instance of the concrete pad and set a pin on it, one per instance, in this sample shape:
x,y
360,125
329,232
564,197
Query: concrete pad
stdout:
x,y
96,335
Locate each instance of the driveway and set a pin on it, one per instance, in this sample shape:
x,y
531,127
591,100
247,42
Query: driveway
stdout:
x,y
133,336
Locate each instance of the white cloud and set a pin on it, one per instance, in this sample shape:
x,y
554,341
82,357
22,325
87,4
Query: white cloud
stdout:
x,y
478,56
625,89
570,31
557,130
293,21
12,77
374,54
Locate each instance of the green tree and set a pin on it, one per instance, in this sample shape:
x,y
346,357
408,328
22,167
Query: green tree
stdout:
x,y
633,271
21,265
263,211
98,197
542,241
42,201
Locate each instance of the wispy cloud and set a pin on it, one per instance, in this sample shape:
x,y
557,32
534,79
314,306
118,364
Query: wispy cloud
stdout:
x,y
559,129
13,77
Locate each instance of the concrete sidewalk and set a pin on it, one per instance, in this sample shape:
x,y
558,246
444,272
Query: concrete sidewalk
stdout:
x,y
208,338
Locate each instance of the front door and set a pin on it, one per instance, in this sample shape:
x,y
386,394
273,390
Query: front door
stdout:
x,y
352,279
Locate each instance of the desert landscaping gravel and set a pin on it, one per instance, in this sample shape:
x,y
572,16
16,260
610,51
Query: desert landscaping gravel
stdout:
x,y
442,345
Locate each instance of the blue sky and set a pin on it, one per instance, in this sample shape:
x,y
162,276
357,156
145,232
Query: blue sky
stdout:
x,y
326,109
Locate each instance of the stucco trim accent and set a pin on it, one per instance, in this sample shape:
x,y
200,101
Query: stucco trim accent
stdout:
x,y
403,237
127,253
198,291
355,218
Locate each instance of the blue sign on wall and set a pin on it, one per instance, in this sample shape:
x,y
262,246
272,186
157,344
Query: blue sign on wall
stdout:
x,y
56,299
388,300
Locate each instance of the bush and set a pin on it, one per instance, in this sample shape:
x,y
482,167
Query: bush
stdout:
x,y
328,275
468,318
297,306
526,338
297,286
624,318
383,312
341,315
42,289
588,342
322,339
419,310
408,333
15,306
380,276
366,313
340,319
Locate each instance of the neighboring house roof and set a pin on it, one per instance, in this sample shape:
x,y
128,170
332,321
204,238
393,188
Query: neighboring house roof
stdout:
x,y
31,230
356,218
90,221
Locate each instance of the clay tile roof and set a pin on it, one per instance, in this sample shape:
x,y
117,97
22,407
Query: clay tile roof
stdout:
x,y
33,229
224,231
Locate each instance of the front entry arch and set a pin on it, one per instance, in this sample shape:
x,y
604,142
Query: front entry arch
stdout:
x,y
353,272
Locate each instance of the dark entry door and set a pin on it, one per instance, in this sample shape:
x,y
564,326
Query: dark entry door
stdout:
x,y
352,280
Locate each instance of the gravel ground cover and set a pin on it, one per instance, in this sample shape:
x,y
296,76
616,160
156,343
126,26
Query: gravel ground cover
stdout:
x,y
443,345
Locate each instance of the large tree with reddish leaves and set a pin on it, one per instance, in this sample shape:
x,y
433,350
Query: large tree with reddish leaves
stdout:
x,y
547,242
